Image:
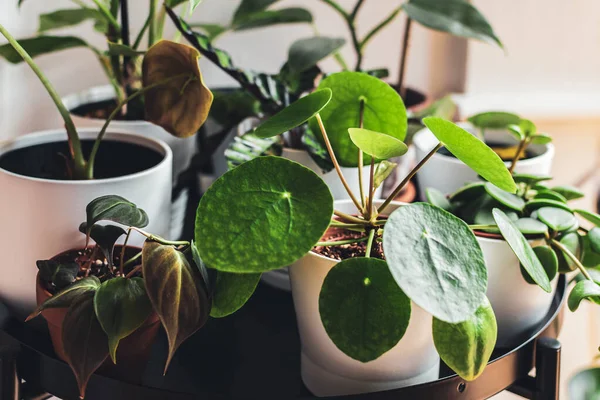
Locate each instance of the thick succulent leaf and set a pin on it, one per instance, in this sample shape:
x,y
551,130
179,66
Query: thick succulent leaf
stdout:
x,y
494,119
456,17
116,209
467,346
536,204
231,292
85,343
530,226
529,179
473,152
249,7
41,45
557,219
590,216
176,292
68,295
360,292
71,17
549,261
569,192
574,243
384,111
59,275
585,385
468,192
438,199
436,260
594,239
181,105
551,195
522,249
269,213
378,145
306,53
121,306
583,290
590,259
294,115
509,200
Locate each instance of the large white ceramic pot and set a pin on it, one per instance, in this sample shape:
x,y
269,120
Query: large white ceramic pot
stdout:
x,y
183,149
326,370
519,306
40,217
448,174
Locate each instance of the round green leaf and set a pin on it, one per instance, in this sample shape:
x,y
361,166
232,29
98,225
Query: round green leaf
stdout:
x,y
530,226
509,200
472,151
557,219
590,259
467,346
384,111
121,306
494,119
549,261
529,179
569,192
551,195
438,199
263,215
378,145
583,290
231,292
360,292
590,216
294,115
536,204
468,192
436,260
594,238
522,249
573,242
541,139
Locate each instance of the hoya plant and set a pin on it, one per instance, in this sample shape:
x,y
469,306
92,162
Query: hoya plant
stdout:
x,y
110,293
175,98
270,212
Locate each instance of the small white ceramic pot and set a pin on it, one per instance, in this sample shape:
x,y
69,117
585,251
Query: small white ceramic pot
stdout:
x,y
448,174
326,370
40,217
519,306
183,149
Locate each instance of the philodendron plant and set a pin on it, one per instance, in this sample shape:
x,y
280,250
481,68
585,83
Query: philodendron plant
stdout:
x,y
175,98
109,295
270,212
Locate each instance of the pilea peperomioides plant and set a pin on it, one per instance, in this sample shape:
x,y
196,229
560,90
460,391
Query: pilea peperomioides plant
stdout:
x,y
270,212
111,294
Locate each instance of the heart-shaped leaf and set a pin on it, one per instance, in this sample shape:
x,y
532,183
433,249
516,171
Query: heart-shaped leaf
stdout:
x,y
41,45
176,292
360,292
268,212
509,200
590,216
306,53
294,115
57,275
583,290
116,209
594,239
178,101
472,151
384,111
522,249
438,199
467,346
231,292
105,237
85,343
557,219
551,195
468,192
569,192
549,261
536,204
378,145
71,17
436,260
530,226
456,17
121,306
494,119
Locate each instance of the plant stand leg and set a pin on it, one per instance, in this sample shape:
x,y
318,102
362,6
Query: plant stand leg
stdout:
x,y
547,365
9,381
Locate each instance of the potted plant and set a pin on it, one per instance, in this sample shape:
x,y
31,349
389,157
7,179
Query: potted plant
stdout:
x,y
527,238
378,260
505,133
48,174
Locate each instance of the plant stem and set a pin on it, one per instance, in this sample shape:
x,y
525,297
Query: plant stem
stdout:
x,y
107,14
140,35
337,8
335,162
369,215
379,27
520,149
337,224
404,57
370,243
122,261
412,173
342,242
160,240
133,271
126,40
360,155
79,163
152,24
350,218
573,258
480,227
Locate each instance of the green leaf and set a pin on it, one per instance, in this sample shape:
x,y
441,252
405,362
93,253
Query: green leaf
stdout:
x,y
590,258
585,385
67,296
436,260
212,30
540,139
468,192
71,17
456,17
231,292
551,195
530,226
40,45
229,108
194,4
549,261
202,268
176,292
529,179
509,200
569,192
472,151
494,120
116,209
275,17
466,347
384,111
59,275
594,238
105,237
360,292
583,290
121,306
249,7
536,204
574,243
522,249
294,115
590,216
557,219
306,53
263,215
383,170
85,343
117,49
376,144
438,199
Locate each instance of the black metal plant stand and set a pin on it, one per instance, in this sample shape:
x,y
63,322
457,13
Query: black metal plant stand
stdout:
x,y
255,354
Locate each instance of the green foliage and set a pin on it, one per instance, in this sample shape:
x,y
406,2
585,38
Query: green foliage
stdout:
x,y
306,53
65,297
41,45
585,385
494,120
231,292
116,209
57,275
377,145
583,290
71,17
438,199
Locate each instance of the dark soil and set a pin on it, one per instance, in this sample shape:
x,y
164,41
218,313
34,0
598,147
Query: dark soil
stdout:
x,y
103,109
528,153
347,251
49,160
413,97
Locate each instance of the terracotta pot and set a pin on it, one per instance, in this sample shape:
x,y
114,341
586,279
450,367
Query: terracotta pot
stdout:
x,y
408,194
133,351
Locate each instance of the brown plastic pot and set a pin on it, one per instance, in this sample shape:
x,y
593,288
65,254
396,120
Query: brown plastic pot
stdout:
x,y
133,351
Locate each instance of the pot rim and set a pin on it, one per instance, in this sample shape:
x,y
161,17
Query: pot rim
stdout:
x,y
496,237
60,135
